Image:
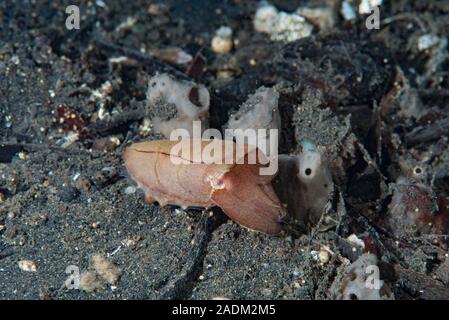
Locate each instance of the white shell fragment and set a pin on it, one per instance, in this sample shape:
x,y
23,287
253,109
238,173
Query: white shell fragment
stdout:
x,y
105,268
367,6
353,239
266,19
281,26
175,104
427,41
130,190
27,265
259,111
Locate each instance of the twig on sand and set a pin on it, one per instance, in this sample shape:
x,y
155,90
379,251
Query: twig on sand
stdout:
x,y
149,61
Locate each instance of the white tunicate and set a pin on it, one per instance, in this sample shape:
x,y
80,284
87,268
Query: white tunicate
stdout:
x,y
181,57
315,178
259,111
281,26
304,183
361,281
175,104
265,19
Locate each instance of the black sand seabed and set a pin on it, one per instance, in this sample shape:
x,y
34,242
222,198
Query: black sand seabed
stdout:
x,y
62,205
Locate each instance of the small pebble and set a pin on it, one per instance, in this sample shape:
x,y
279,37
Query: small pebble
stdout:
x,y
115,140
222,41
427,41
27,265
130,190
281,26
83,184
153,9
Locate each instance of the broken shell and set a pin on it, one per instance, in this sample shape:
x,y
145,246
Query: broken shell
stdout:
x,y
225,177
281,26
